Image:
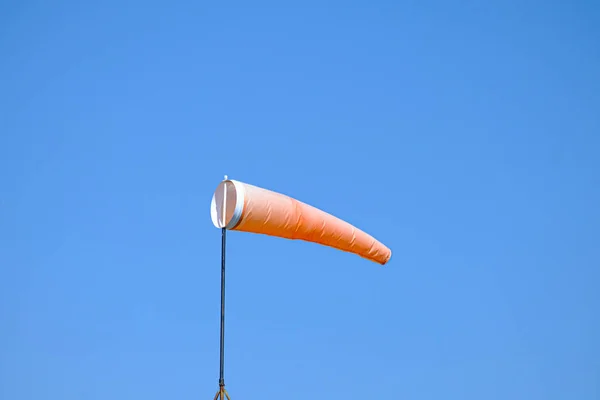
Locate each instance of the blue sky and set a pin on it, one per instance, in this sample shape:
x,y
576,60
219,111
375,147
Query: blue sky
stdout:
x,y
462,135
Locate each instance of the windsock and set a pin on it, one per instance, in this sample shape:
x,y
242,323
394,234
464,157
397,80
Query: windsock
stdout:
x,y
239,206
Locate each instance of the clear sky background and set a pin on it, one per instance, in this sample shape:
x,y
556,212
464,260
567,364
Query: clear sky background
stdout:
x,y
464,135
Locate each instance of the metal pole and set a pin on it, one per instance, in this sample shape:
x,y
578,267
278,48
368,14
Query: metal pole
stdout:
x,y
222,355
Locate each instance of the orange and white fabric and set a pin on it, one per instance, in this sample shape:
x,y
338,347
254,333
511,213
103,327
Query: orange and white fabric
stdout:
x,y
242,207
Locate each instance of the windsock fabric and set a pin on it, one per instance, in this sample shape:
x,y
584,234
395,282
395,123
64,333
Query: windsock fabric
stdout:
x,y
243,207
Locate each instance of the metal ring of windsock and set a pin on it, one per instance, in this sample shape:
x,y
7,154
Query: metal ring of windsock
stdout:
x,y
242,207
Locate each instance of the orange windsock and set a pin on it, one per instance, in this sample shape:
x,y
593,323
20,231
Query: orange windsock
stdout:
x,y
243,207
